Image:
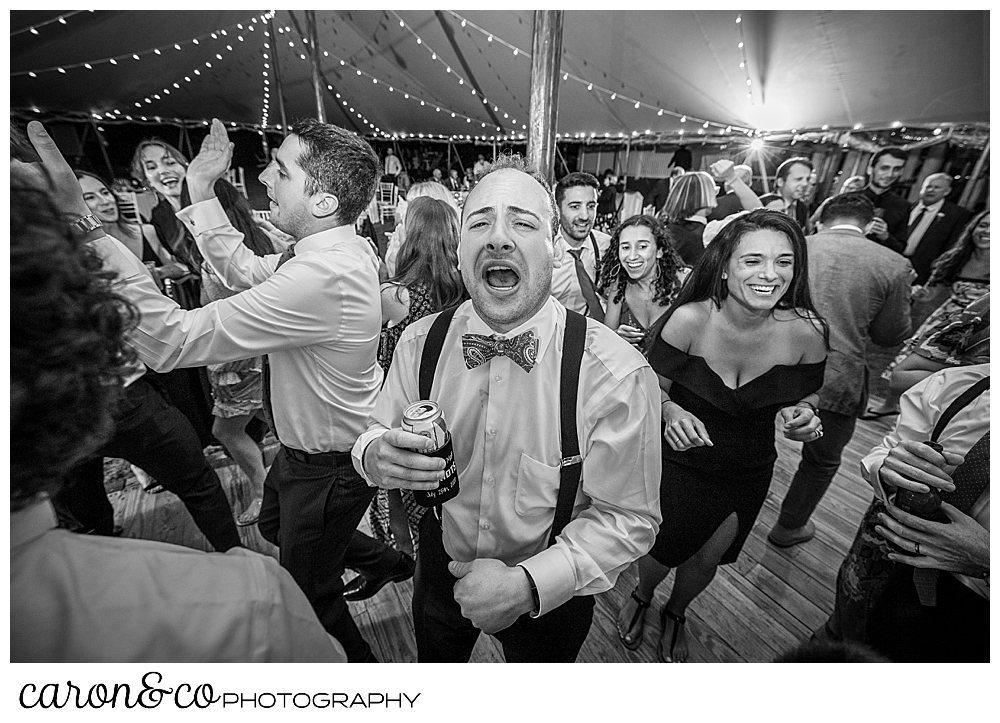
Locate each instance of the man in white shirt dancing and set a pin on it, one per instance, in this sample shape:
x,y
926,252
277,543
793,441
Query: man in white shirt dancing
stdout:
x,y
317,318
490,559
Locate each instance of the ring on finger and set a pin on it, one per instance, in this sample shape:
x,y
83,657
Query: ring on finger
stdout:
x,y
916,548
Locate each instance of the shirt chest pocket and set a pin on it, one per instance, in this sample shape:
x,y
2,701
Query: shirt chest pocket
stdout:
x,y
537,487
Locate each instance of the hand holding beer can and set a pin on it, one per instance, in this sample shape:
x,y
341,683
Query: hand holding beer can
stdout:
x,y
426,419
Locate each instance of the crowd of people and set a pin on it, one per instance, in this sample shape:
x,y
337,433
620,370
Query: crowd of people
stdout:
x,y
611,399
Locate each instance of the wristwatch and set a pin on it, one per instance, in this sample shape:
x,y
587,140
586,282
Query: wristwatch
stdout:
x,y
86,224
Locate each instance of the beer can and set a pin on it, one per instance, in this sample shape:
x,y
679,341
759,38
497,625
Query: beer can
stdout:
x,y
426,419
926,505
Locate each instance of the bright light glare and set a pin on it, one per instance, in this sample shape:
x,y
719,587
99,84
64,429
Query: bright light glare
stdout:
x,y
756,144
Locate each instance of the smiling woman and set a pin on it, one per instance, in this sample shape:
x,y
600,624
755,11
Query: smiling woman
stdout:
x,y
740,344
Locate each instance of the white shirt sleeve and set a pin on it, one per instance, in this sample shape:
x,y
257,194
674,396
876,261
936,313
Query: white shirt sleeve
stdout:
x,y
222,246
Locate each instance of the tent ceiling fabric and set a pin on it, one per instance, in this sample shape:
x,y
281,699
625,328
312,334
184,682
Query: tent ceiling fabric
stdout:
x,y
807,68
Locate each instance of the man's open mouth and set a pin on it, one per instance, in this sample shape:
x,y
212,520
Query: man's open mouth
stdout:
x,y
502,278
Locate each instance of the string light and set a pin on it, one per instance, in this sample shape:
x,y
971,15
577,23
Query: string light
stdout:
x,y
148,100
61,19
407,96
614,95
265,110
435,57
744,64
114,60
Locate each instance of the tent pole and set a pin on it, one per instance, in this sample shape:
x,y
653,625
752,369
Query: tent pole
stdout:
x,y
317,79
494,150
543,109
277,73
971,189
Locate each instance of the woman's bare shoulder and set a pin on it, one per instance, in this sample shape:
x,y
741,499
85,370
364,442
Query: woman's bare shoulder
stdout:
x,y
685,323
805,331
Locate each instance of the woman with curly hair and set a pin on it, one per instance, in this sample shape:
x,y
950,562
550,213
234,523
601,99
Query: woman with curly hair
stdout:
x,y
741,343
641,274
964,269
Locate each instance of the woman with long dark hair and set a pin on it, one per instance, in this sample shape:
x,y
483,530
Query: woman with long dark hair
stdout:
x,y
741,343
641,274
427,280
237,389
962,271
139,238
161,167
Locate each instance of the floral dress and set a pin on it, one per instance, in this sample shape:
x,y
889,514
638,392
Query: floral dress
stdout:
x,y
378,514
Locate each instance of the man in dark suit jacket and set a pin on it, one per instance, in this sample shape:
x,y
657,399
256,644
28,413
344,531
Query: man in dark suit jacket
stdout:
x,y
889,226
934,224
863,292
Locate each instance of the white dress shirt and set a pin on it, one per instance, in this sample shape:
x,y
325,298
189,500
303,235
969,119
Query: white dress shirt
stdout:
x,y
920,408
913,240
318,317
90,599
505,430
565,283
392,165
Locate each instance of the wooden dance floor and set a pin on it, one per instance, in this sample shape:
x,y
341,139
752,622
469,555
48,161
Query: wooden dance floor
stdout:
x,y
766,603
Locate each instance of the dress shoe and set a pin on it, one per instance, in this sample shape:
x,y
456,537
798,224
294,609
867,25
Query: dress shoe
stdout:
x,y
363,587
780,536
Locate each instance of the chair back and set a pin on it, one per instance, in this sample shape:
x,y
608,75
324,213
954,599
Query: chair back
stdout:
x,y
236,177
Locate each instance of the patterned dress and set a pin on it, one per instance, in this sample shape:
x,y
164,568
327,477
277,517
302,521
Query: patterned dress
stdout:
x,y
378,514
236,385
963,293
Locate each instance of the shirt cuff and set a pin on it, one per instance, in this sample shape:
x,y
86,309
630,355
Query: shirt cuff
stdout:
x,y
358,451
870,467
203,216
554,578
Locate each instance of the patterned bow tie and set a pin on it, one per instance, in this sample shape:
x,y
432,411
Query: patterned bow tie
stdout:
x,y
479,349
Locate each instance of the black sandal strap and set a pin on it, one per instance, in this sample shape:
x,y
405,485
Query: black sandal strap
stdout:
x,y
642,603
679,621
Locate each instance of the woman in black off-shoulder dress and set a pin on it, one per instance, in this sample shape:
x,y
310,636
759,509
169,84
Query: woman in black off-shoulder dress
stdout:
x,y
741,344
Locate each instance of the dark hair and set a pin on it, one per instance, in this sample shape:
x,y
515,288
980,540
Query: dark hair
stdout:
x,y
139,171
946,267
786,167
706,282
666,285
240,214
854,206
123,224
338,162
572,180
69,355
429,252
897,153
517,162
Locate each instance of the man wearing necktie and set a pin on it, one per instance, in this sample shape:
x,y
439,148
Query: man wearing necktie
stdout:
x,y
487,560
935,223
579,246
316,318
949,622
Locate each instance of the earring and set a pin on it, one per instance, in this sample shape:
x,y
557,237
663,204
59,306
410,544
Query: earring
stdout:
x,y
724,276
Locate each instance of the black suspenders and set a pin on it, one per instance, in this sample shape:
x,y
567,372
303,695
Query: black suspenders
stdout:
x,y
571,465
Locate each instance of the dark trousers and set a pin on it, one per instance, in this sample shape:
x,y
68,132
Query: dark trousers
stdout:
x,y
369,556
153,435
444,636
957,630
310,511
820,462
